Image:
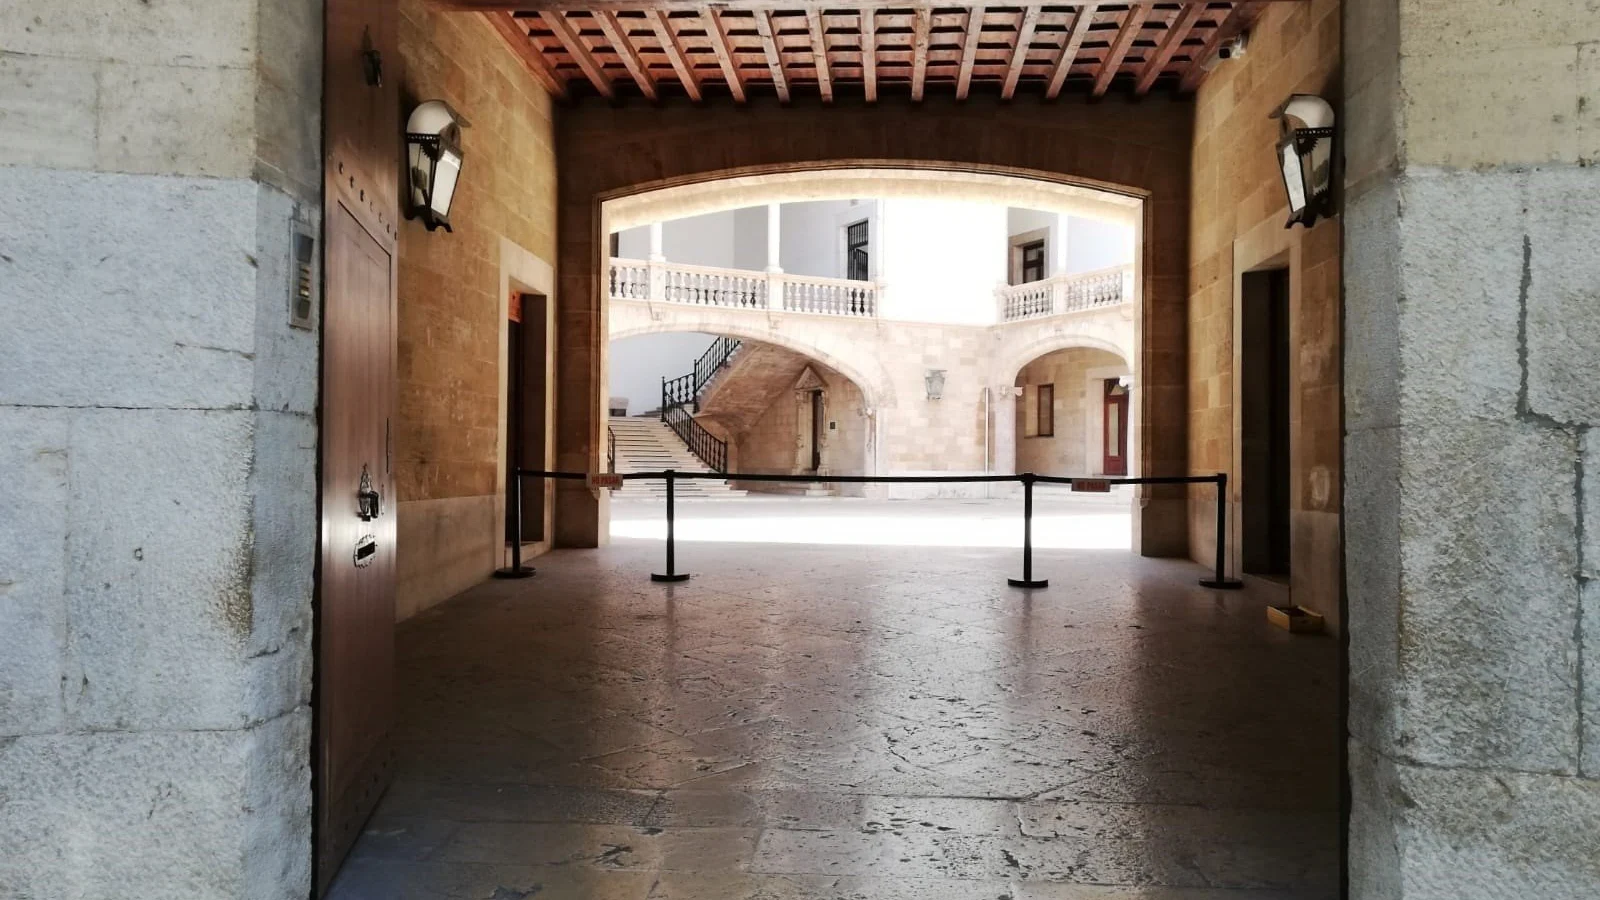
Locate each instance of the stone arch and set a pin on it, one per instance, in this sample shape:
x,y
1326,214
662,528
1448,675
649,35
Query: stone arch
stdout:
x,y
869,375
1094,148
1011,360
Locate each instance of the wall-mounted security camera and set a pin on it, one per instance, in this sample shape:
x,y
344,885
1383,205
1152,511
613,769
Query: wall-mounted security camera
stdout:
x,y
1233,48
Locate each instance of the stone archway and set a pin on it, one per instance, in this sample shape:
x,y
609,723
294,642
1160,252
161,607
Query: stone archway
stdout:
x,y
1092,150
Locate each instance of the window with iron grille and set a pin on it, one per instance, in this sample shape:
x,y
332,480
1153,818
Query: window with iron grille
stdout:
x,y
857,258
1032,261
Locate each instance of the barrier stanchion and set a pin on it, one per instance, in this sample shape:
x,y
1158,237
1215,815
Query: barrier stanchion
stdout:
x,y
517,569
1222,582
672,573
1027,580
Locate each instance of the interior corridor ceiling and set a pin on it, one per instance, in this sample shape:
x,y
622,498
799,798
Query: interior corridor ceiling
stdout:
x,y
670,48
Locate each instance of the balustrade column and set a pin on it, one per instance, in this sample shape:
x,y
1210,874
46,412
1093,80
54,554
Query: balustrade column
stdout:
x,y
656,273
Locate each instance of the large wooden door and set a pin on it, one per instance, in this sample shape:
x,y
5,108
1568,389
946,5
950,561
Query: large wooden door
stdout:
x,y
356,576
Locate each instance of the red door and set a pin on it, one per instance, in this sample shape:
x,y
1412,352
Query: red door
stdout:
x,y
354,694
1116,428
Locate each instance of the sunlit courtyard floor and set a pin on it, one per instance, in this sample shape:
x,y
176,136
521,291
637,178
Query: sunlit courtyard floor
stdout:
x,y
847,701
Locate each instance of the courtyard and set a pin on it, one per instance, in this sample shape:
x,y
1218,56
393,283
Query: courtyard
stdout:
x,y
846,701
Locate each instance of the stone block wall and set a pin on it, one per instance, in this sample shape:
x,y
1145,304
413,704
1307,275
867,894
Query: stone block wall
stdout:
x,y
1237,214
450,438
1079,415
158,444
1473,311
775,440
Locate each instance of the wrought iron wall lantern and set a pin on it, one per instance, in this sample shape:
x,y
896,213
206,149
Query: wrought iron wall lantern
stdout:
x,y
934,381
433,145
1305,157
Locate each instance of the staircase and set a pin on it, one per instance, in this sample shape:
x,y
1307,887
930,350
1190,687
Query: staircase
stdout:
x,y
646,444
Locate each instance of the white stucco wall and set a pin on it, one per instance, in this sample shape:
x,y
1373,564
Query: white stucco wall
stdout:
x,y
941,260
638,364
1091,244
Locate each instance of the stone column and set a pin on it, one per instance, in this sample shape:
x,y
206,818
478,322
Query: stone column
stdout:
x,y
657,253
1003,405
774,237
656,275
1472,355
158,512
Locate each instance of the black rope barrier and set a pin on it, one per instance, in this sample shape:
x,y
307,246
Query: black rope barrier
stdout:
x,y
1220,581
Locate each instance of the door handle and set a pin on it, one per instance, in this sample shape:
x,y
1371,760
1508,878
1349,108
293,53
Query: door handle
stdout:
x,y
369,503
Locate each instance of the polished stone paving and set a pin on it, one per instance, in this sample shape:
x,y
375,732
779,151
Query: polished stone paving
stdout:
x,y
847,721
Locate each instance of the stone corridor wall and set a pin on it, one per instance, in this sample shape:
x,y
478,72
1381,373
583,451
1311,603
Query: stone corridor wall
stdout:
x,y
1473,315
1237,213
158,448
450,438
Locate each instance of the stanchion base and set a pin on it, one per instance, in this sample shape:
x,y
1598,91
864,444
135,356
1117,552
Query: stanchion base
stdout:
x,y
1028,582
524,572
674,577
1227,584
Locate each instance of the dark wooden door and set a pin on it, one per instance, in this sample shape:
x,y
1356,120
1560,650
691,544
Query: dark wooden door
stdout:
x,y
354,694
1116,429
816,431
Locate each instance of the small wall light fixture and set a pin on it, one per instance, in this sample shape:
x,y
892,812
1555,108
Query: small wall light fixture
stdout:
x,y
1305,156
433,146
935,383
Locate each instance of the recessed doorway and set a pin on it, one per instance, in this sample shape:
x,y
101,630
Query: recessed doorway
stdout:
x,y
1264,426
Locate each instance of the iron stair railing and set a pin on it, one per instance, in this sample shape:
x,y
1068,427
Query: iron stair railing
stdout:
x,y
680,401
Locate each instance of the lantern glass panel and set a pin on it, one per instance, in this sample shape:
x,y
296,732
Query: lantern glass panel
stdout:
x,y
1293,176
421,174
445,173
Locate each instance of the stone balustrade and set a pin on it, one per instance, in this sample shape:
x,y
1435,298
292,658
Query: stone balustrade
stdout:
x,y
1066,293
632,279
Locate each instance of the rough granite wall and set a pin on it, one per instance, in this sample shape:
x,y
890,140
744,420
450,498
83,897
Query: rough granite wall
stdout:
x,y
1472,292
158,448
449,438
1236,214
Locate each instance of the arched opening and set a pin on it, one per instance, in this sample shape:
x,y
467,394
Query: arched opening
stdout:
x,y
1072,414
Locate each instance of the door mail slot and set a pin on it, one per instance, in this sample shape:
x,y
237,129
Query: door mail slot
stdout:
x,y
366,549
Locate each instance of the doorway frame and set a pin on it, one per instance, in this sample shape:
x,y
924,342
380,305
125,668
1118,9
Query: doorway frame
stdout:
x,y
1263,249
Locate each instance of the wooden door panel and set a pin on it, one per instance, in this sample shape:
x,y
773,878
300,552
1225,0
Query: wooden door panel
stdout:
x,y
356,621
355,590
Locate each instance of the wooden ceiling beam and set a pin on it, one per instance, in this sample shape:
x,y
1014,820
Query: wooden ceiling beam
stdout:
x,y
1239,18
516,36
717,33
869,53
969,50
769,43
1132,22
819,53
919,52
570,39
671,47
1019,53
1069,53
1176,32
744,5
617,37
